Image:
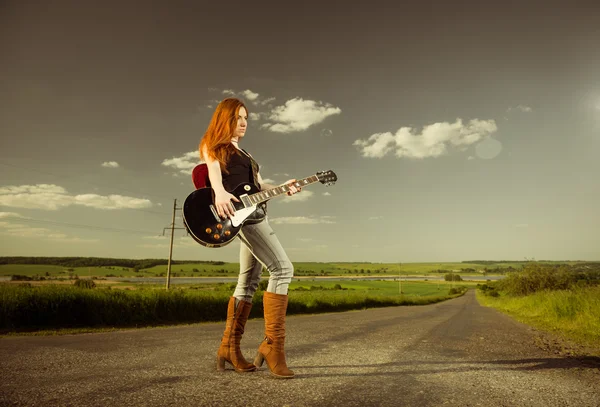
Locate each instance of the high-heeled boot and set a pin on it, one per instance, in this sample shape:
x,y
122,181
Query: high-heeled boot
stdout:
x,y
271,348
229,351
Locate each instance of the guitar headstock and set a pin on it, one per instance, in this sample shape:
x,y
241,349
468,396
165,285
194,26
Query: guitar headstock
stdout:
x,y
327,177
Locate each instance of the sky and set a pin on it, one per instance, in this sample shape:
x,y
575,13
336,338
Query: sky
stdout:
x,y
458,130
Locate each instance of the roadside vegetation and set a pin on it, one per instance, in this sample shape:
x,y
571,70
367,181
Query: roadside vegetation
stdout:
x,y
83,304
44,268
564,299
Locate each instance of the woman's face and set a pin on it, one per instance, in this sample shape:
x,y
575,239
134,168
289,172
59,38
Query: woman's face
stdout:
x,y
242,123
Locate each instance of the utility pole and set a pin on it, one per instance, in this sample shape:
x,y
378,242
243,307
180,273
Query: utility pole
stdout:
x,y
175,208
399,279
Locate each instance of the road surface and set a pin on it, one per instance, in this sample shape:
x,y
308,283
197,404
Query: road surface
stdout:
x,y
455,353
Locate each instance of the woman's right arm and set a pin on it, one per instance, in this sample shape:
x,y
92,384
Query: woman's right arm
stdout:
x,y
222,197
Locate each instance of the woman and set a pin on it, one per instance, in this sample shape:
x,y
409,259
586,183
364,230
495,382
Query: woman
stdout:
x,y
228,166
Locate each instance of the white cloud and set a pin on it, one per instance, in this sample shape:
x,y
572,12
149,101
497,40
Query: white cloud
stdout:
x,y
269,181
375,217
299,197
522,108
4,215
433,141
41,196
110,164
301,220
327,193
53,197
20,230
298,114
185,163
470,157
326,132
266,101
110,201
249,95
256,116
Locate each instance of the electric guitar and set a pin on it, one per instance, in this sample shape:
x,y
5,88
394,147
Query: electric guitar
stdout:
x,y
206,227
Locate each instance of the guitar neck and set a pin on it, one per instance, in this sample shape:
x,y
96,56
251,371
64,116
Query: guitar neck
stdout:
x,y
263,196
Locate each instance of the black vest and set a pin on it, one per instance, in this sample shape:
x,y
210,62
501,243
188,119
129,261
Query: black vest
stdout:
x,y
241,168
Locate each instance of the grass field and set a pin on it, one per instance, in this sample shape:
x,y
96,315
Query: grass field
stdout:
x,y
48,306
574,313
231,269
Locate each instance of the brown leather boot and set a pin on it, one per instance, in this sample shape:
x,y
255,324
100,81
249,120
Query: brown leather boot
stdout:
x,y
229,351
271,348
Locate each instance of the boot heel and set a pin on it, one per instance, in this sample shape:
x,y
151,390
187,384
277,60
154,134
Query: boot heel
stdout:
x,y
220,364
258,360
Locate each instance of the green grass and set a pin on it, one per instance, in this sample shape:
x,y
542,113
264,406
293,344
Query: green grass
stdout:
x,y
388,288
25,307
574,313
232,269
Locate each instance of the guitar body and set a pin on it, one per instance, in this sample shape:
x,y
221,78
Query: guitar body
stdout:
x,y
206,227
204,224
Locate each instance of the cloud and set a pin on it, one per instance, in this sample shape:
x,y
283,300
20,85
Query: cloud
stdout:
x,y
20,230
249,95
327,193
110,201
53,197
110,164
302,220
5,215
185,163
299,197
269,181
246,95
266,101
298,114
433,141
257,116
522,108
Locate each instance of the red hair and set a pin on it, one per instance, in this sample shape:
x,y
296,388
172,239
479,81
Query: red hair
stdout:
x,y
217,139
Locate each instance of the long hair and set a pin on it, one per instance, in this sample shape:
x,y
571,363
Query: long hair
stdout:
x,y
217,138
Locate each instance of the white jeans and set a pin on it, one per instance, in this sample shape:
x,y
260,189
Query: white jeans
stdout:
x,y
261,247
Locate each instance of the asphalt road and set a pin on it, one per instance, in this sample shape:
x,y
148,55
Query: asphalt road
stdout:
x,y
453,353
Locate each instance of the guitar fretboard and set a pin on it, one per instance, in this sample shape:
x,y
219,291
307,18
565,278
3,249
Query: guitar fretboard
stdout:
x,y
273,192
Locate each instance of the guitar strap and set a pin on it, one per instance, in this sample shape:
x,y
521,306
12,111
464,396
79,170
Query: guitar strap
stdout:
x,y
255,167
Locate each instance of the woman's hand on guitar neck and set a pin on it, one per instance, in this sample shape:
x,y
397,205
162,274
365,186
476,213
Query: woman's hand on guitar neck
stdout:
x,y
223,204
293,189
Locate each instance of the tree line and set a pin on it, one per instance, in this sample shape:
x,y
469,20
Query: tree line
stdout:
x,y
98,262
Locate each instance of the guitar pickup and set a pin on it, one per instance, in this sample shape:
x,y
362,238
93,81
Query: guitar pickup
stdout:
x,y
215,213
